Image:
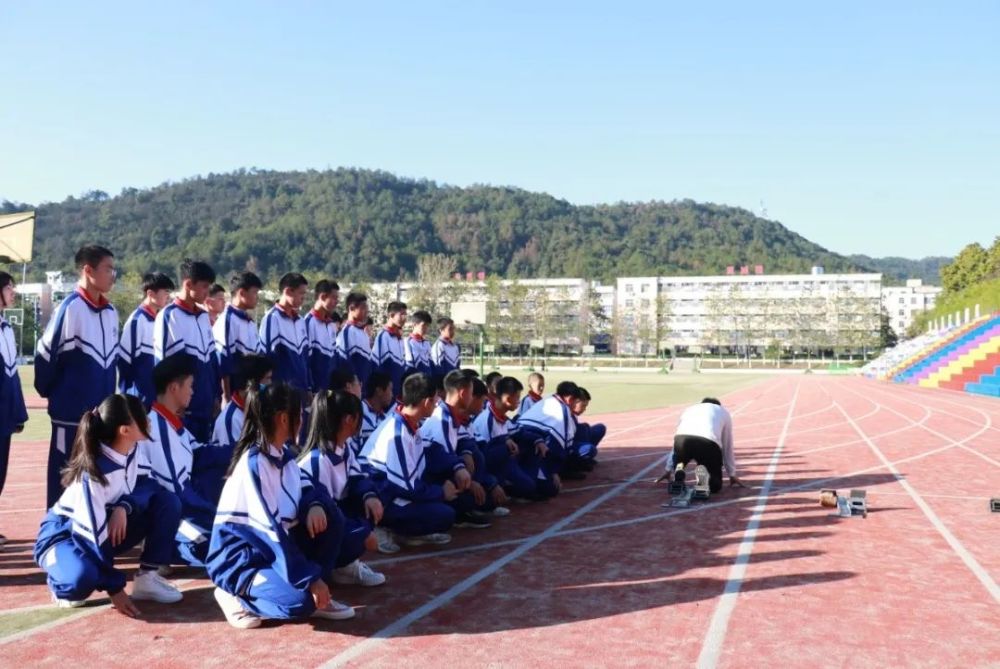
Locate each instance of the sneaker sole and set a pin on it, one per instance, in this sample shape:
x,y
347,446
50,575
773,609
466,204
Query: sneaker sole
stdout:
x,y
328,615
248,622
149,597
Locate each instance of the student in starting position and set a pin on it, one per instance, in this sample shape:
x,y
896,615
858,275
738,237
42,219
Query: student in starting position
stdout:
x,y
135,351
75,360
321,332
13,412
273,548
105,510
445,354
251,372
418,512
329,465
235,332
494,432
354,350
416,347
388,354
182,328
705,435
172,458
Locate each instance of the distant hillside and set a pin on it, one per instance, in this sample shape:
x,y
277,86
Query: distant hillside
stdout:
x,y
898,270
367,225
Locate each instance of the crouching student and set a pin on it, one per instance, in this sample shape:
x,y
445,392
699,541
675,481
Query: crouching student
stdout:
x,y
536,388
273,547
447,460
545,433
582,455
494,432
416,511
104,511
174,460
249,372
475,455
331,468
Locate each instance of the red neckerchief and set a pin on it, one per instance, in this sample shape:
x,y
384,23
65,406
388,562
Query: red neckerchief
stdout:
x,y
459,418
101,300
356,324
501,417
320,316
394,331
416,336
288,311
189,307
171,417
239,402
149,311
533,395
446,340
412,424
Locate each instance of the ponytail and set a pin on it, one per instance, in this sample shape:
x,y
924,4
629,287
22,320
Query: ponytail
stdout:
x,y
100,426
262,407
329,409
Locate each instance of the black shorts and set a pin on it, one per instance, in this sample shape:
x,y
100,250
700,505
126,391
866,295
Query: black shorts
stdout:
x,y
689,447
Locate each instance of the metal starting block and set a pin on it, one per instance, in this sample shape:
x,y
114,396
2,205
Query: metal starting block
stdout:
x,y
859,503
995,505
683,499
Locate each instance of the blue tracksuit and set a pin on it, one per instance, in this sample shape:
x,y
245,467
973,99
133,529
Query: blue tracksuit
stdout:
x,y
135,356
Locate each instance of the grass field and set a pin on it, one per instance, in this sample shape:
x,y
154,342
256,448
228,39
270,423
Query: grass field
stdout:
x,y
612,391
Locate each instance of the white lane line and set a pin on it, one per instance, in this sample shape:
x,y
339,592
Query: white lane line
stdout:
x,y
956,545
711,650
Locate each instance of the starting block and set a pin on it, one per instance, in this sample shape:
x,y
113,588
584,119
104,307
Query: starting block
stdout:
x,y
682,499
995,505
859,503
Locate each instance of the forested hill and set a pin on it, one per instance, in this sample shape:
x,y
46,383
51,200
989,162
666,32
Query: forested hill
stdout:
x,y
368,225
898,270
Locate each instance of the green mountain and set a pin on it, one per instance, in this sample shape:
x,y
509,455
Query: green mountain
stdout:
x,y
362,225
898,270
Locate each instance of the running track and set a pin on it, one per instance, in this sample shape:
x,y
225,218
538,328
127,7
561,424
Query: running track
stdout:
x,y
603,576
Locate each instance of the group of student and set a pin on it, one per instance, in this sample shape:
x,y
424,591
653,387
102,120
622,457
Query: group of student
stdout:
x,y
327,445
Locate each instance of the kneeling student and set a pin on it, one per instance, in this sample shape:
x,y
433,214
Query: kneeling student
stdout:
x,y
330,466
104,511
250,372
273,548
418,512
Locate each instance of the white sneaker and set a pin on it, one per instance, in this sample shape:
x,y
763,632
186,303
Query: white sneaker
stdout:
x,y
501,511
149,585
437,539
68,603
358,573
386,543
235,614
335,611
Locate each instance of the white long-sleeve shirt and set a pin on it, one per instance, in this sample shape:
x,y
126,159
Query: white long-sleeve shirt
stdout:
x,y
712,422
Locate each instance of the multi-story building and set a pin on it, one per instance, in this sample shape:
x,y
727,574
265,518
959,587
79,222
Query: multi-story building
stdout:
x,y
903,303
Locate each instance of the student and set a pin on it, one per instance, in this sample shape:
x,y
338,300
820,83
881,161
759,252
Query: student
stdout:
x,y
76,356
378,401
544,434
417,512
214,304
345,379
493,431
13,413
448,460
416,348
388,355
235,332
321,333
173,459
536,388
182,328
496,496
445,354
135,351
370,330
354,349
104,511
251,372
328,464
491,380
583,454
273,547
705,434
283,334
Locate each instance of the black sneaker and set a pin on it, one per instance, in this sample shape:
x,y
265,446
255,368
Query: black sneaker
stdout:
x,y
474,520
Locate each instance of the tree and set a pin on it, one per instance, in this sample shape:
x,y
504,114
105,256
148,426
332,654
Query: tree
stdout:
x,y
970,267
434,272
887,337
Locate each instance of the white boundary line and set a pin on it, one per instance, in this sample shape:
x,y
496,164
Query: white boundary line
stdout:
x,y
716,635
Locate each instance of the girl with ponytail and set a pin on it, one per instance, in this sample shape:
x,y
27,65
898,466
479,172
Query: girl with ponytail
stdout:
x,y
330,467
106,510
273,544
13,414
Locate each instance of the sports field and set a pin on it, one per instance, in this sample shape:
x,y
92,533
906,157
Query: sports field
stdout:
x,y
604,576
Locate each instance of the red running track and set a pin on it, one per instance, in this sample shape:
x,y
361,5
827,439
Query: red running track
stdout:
x,y
603,576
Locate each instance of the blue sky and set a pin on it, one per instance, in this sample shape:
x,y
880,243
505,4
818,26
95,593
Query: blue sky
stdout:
x,y
866,127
